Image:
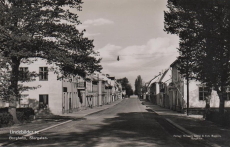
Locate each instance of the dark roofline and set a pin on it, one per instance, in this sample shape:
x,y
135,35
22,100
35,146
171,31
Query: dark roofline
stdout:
x,y
153,79
111,78
165,72
174,63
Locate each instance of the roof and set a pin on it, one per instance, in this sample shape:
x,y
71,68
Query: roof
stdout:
x,y
174,63
154,80
164,75
92,77
111,78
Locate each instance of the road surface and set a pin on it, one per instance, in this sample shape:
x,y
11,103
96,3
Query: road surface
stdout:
x,y
127,124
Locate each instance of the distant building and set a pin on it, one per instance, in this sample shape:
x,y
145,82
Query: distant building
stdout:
x,y
197,93
169,90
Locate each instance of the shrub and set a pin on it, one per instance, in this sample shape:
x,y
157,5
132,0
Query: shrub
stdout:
x,y
27,111
24,114
5,118
21,116
3,110
215,117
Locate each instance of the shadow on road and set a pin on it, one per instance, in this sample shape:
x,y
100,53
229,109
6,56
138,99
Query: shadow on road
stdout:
x,y
126,129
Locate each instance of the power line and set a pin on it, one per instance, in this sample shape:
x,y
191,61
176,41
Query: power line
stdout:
x,y
158,54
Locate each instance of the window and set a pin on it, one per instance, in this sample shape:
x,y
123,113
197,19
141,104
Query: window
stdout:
x,y
23,101
23,73
43,101
43,73
94,82
203,92
64,89
227,95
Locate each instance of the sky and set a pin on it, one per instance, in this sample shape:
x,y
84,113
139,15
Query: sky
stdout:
x,y
132,30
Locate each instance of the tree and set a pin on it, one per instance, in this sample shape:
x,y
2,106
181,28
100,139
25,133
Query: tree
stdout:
x,y
138,85
126,85
4,77
43,29
129,90
204,31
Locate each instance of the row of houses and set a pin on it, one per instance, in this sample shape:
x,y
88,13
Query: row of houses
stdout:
x,y
169,89
65,95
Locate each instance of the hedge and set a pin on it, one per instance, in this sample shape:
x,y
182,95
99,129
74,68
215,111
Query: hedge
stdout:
x,y
217,118
3,110
23,114
5,119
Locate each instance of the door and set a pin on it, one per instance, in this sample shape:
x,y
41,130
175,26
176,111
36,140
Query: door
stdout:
x,y
70,105
43,101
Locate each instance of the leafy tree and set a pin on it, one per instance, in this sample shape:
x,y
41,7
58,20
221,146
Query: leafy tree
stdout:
x,y
4,77
126,85
204,31
43,29
129,90
138,85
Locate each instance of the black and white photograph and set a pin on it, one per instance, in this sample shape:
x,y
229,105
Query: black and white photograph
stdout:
x,y
115,73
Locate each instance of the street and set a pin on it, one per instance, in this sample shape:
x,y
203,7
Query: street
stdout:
x,y
127,124
110,73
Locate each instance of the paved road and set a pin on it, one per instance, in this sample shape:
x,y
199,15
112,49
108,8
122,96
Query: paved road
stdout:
x,y
127,124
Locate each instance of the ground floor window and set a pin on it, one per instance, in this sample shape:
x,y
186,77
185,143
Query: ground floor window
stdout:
x,y
43,101
203,92
227,95
23,101
80,95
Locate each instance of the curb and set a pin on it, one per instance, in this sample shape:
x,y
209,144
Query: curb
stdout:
x,y
103,109
186,131
35,132
180,128
176,125
27,135
190,133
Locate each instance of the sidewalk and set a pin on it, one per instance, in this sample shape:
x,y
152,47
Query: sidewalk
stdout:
x,y
194,125
89,111
44,124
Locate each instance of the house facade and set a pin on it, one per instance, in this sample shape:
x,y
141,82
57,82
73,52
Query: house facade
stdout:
x,y
169,90
62,95
197,93
152,92
176,89
164,95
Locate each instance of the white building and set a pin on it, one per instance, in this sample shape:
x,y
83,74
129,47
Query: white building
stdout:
x,y
62,95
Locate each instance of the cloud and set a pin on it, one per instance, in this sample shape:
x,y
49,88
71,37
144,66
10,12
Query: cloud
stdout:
x,y
95,22
81,27
98,22
109,52
145,60
154,49
89,34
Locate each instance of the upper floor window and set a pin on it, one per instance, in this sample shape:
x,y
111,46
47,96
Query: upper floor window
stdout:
x,y
203,92
43,73
23,73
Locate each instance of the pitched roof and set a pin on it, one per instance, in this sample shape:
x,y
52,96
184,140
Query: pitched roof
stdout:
x,y
162,77
154,80
174,63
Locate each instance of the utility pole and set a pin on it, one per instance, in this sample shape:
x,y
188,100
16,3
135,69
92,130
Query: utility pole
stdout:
x,y
187,80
